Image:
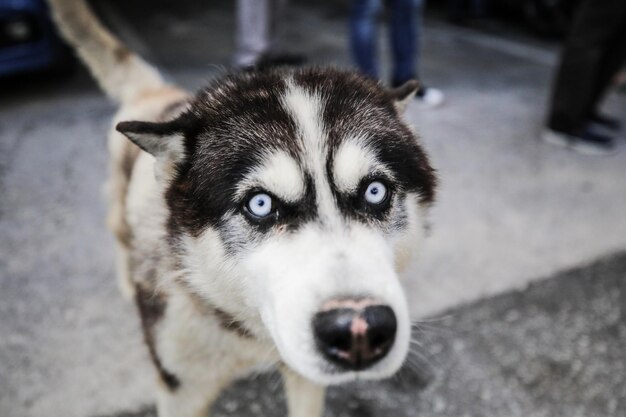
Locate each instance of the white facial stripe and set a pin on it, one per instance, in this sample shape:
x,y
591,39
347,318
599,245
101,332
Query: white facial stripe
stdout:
x,y
280,175
354,161
306,111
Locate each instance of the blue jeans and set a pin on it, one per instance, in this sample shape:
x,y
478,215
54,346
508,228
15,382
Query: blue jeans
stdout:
x,y
405,21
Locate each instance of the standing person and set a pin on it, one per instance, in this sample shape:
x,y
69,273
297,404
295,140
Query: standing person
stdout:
x,y
405,23
593,54
258,38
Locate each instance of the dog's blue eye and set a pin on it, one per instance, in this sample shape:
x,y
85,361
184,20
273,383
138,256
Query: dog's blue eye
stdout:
x,y
375,193
260,205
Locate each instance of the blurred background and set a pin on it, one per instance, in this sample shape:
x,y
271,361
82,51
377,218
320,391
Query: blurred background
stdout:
x,y
519,294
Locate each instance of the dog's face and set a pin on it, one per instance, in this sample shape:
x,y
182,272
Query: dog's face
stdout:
x,y
295,199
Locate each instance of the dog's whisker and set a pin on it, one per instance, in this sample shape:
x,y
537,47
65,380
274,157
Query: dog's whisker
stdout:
x,y
423,330
423,358
416,343
434,319
277,382
421,367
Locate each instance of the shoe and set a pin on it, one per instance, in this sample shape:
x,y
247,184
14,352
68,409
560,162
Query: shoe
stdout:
x,y
430,97
605,122
586,143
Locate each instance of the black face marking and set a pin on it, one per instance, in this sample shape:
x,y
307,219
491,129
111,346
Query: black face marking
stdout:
x,y
409,163
354,205
359,107
286,215
238,120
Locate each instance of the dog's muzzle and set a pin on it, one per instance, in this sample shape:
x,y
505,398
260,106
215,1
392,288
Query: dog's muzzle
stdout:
x,y
355,335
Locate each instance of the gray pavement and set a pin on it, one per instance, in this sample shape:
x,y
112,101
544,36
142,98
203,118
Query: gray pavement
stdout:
x,y
511,211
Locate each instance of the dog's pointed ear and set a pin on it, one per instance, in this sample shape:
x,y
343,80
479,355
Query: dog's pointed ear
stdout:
x,y
403,95
165,141
159,139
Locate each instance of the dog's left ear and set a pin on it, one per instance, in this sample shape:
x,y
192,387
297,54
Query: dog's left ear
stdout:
x,y
165,141
403,95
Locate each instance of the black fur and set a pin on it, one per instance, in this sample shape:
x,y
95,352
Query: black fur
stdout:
x,y
232,122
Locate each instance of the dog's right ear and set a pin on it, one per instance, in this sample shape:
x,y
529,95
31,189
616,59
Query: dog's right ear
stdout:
x,y
165,141
403,94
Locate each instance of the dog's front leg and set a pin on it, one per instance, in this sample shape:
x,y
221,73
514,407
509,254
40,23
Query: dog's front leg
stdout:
x,y
193,399
304,398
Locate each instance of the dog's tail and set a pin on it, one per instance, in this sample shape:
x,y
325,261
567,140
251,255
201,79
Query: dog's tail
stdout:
x,y
122,74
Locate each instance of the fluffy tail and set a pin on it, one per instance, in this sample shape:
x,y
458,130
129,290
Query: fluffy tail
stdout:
x,y
121,73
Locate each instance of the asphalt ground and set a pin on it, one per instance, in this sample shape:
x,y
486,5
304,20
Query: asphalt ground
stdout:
x,y
511,211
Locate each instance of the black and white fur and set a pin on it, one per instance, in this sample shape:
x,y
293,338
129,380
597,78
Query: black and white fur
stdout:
x,y
221,291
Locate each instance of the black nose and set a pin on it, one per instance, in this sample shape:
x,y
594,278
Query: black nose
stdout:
x,y
355,339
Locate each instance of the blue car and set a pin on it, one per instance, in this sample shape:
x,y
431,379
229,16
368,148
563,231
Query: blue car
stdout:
x,y
28,39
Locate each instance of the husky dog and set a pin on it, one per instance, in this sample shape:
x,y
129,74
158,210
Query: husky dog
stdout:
x,y
263,221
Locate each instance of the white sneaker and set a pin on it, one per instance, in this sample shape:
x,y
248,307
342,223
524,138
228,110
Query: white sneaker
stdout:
x,y
430,97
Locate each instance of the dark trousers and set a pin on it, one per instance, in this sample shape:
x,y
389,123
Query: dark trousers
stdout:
x,y
404,25
593,53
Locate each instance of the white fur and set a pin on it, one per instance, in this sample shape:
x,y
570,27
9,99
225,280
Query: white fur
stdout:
x,y
306,110
354,161
188,345
290,286
279,174
278,287
304,399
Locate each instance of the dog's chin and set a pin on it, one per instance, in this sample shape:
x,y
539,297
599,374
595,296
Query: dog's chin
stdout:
x,y
329,374
316,368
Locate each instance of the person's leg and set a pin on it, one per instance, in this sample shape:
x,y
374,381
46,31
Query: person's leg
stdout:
x,y
406,21
276,18
612,60
253,31
363,31
576,90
